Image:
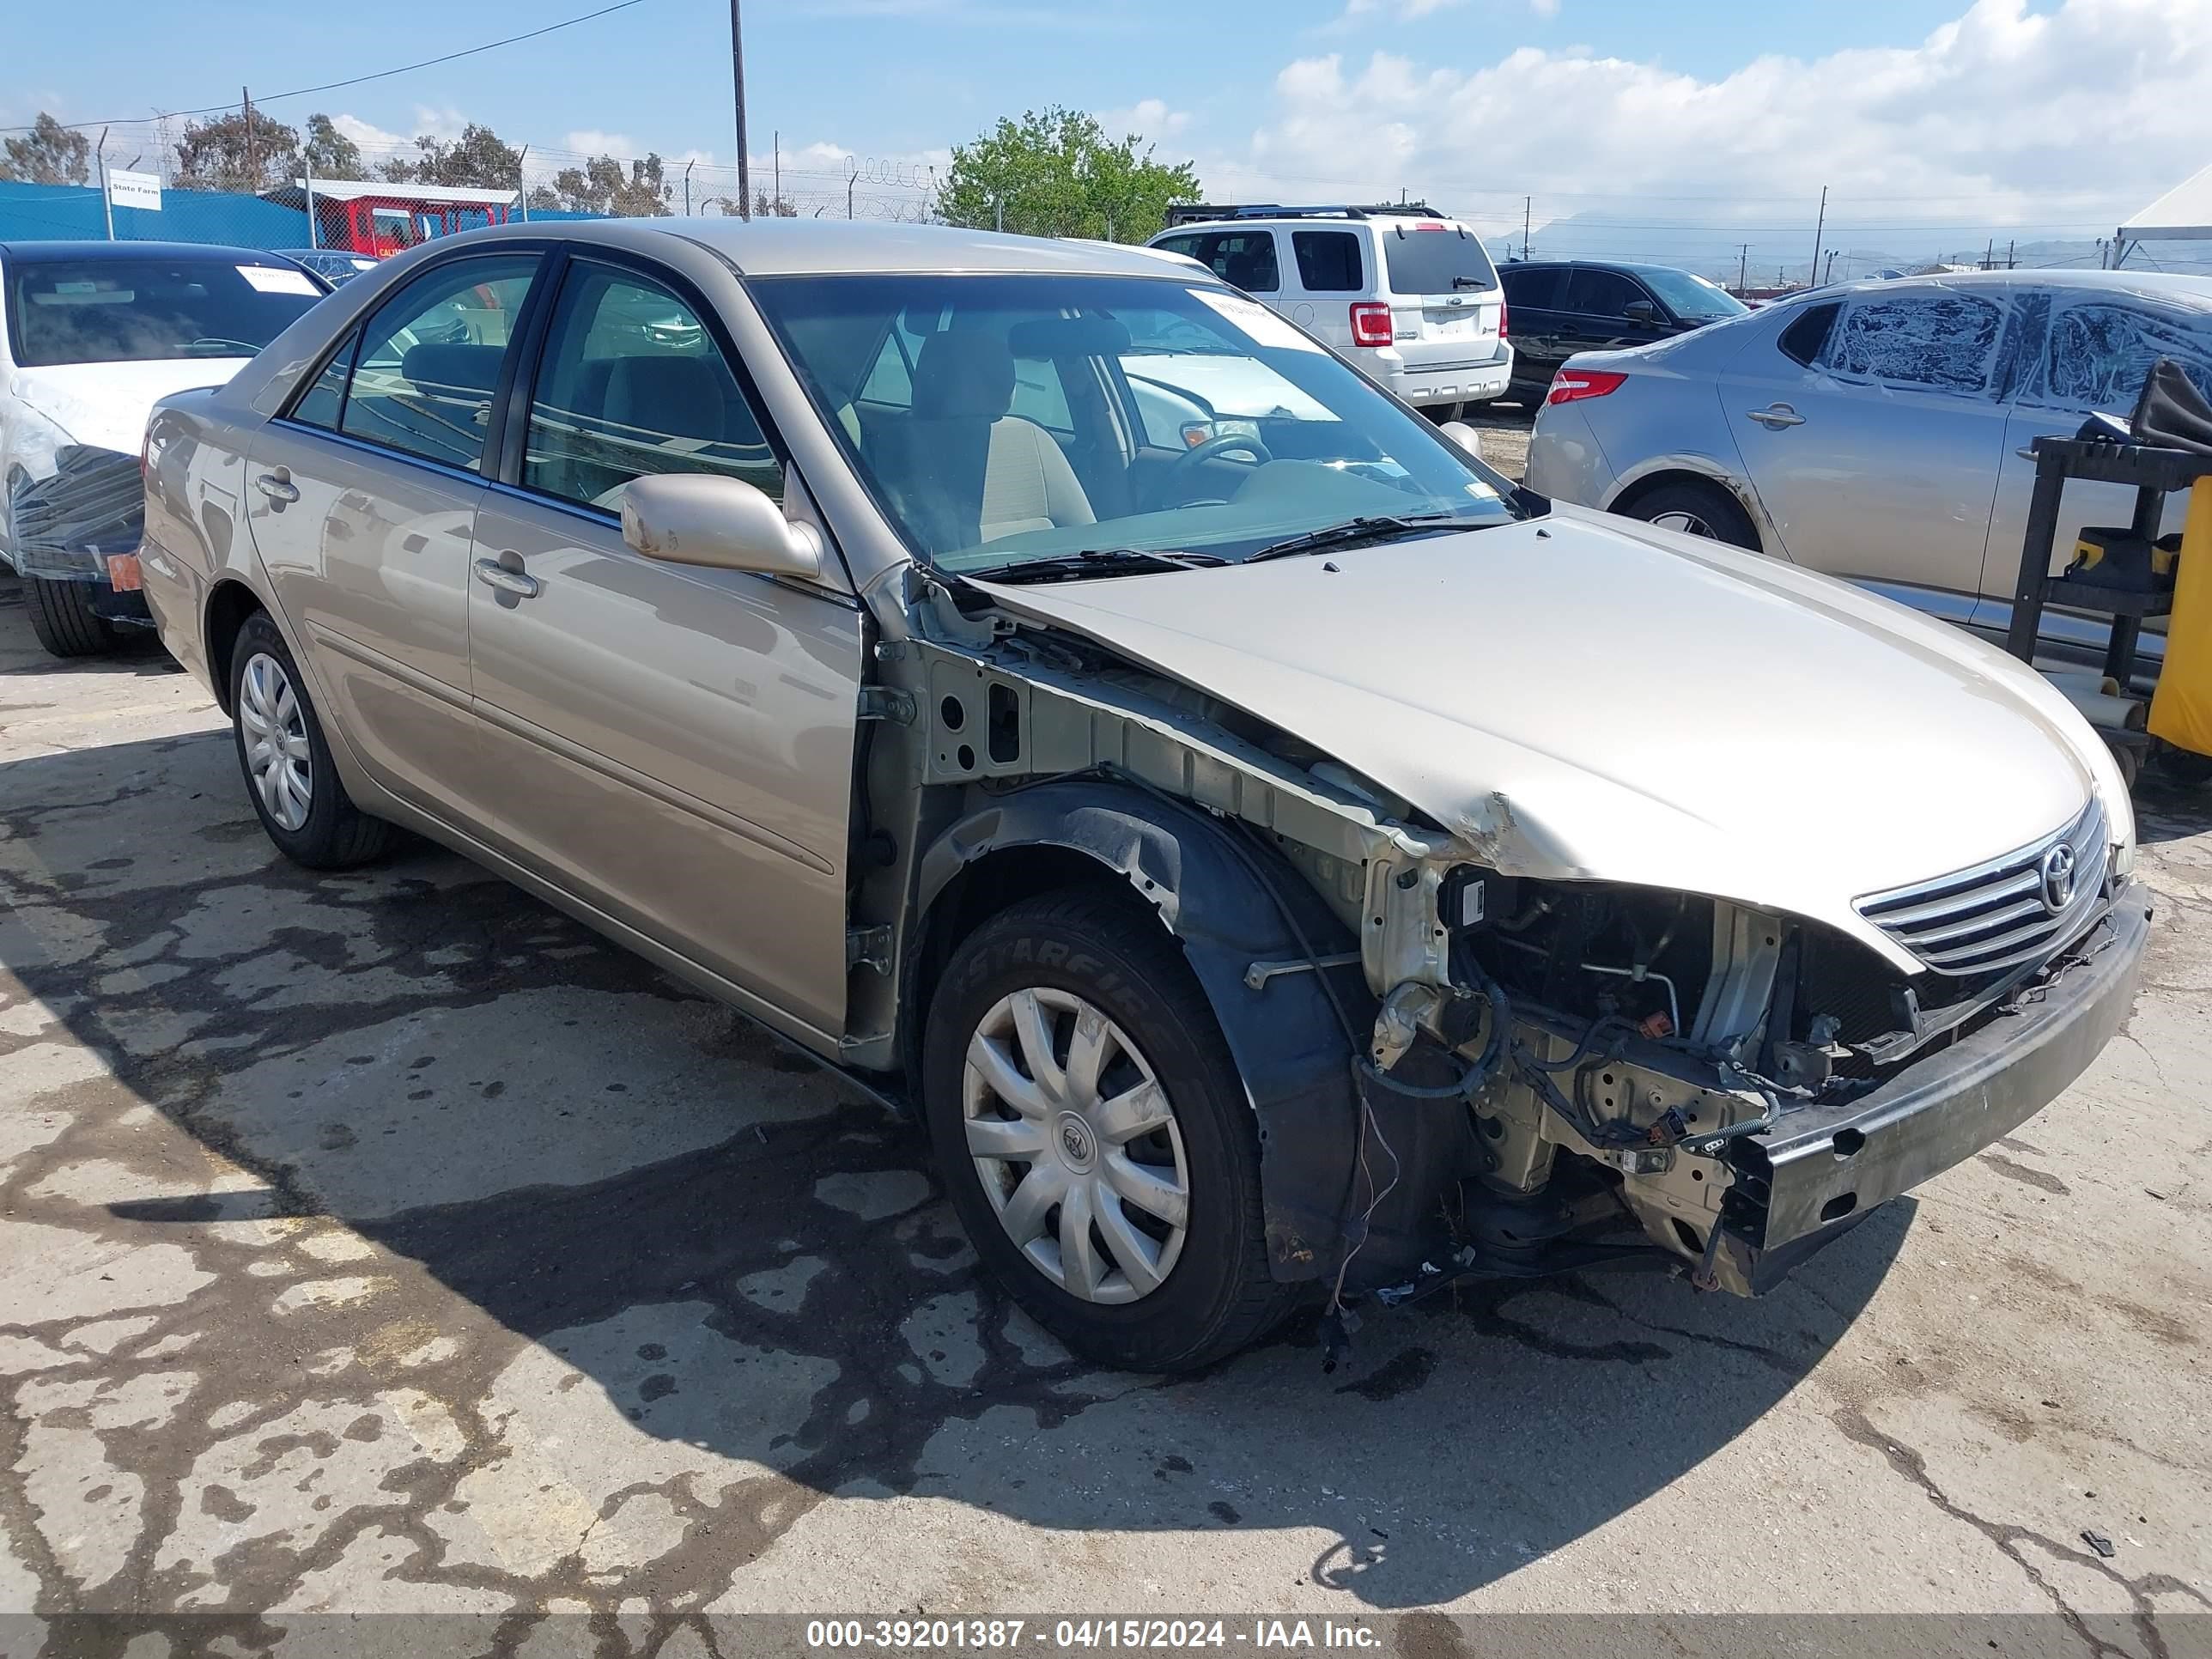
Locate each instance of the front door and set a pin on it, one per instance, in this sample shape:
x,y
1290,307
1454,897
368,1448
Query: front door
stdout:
x,y
670,743
362,502
1875,448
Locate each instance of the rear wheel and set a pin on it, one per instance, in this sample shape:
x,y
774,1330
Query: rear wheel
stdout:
x,y
1696,509
287,761
64,620
1095,1138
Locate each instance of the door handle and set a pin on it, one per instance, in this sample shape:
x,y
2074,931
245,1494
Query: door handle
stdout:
x,y
277,487
492,574
1775,417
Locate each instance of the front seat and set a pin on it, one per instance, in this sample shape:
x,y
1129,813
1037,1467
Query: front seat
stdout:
x,y
964,470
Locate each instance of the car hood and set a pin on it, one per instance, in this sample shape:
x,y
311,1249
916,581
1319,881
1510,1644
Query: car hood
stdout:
x,y
1577,697
106,404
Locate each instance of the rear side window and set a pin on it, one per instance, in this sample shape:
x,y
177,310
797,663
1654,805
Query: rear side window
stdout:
x,y
1328,261
1537,287
1426,258
2098,354
1243,259
430,356
1943,341
1597,293
1802,341
631,383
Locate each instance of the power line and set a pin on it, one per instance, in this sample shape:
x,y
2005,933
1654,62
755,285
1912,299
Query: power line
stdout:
x,y
380,75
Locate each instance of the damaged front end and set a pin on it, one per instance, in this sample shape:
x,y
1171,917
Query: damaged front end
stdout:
x,y
1458,1068
75,513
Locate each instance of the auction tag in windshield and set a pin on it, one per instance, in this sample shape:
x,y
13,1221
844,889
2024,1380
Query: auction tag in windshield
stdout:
x,y
269,279
1265,328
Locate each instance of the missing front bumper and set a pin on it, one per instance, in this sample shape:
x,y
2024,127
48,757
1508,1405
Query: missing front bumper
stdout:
x,y
1819,1171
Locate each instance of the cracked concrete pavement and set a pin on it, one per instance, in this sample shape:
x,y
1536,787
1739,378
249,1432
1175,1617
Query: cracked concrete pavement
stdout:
x,y
386,1241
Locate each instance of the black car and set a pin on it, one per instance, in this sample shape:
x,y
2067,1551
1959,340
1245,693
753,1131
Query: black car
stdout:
x,y
1560,306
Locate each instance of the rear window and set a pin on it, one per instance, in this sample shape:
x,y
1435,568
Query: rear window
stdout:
x,y
1427,257
111,311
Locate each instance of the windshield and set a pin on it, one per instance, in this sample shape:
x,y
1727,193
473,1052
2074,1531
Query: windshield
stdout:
x,y
1691,298
1424,256
113,311
1000,421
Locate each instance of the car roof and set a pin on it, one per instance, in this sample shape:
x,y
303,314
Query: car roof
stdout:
x,y
2167,284
784,247
33,253
1634,267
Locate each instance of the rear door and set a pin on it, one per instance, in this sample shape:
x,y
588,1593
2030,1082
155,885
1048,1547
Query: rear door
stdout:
x,y
2086,351
1329,268
1594,314
673,744
1874,441
1443,292
1535,295
361,499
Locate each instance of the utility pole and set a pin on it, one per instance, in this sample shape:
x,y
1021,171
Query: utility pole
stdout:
x,y
1820,226
688,166
1527,208
848,189
775,139
1743,268
106,202
522,185
252,168
737,86
2012,260
1830,275
308,183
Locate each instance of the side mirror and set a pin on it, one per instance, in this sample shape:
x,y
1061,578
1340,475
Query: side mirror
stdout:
x,y
1466,437
1641,312
725,523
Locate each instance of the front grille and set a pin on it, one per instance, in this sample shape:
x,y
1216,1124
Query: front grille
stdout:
x,y
2010,911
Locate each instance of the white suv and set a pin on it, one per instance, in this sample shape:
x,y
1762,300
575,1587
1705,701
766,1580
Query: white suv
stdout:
x,y
1406,295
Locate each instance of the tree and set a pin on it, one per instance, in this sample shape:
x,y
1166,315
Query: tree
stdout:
x,y
234,153
476,159
600,186
329,153
1055,173
49,153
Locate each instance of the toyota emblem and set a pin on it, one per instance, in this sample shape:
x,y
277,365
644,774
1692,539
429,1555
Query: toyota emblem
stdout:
x,y
2058,879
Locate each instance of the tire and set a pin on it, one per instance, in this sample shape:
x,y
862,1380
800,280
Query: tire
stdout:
x,y
305,811
2181,766
1696,509
1214,1294
62,619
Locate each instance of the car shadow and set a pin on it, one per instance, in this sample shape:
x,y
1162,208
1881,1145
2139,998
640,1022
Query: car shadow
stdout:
x,y
2169,810
616,1219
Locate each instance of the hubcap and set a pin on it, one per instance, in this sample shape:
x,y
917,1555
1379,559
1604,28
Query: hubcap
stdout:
x,y
1688,523
1076,1145
275,727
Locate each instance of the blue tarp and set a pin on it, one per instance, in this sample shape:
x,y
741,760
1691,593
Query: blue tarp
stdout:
x,y
45,213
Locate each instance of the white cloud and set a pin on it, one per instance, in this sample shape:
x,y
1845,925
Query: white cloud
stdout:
x,y
372,141
444,123
2070,115
1149,118
1545,8
590,141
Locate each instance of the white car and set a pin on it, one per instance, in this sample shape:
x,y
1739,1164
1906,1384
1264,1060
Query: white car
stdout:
x,y
91,334
1406,295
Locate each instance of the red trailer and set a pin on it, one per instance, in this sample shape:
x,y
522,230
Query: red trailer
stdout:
x,y
377,217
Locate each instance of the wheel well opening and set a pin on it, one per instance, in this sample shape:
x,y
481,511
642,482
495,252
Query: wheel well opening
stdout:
x,y
1626,501
228,608
982,890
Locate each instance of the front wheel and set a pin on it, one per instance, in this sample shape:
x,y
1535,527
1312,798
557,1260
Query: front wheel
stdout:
x,y
286,759
64,620
1095,1138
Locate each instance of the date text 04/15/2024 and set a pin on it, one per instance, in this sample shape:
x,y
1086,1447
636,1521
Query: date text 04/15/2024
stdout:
x,y
954,1635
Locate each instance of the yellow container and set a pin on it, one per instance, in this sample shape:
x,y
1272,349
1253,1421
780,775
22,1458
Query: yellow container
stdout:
x,y
2181,708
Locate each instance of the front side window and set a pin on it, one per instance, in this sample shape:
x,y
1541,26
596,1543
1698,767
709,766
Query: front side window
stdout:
x,y
1328,261
1939,342
1242,258
423,380
631,383
147,310
1217,430
1595,293
1693,298
2098,354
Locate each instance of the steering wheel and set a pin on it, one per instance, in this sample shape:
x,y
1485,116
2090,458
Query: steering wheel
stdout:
x,y
1221,444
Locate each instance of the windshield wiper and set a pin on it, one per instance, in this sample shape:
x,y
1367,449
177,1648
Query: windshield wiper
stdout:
x,y
1100,562
1373,528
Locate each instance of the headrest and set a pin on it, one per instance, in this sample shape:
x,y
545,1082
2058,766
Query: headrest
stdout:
x,y
681,397
963,375
452,367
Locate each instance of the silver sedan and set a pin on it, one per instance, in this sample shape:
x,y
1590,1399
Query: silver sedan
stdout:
x,y
1878,431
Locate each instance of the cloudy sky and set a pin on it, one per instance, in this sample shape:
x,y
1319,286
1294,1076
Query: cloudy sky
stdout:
x,y
2057,117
